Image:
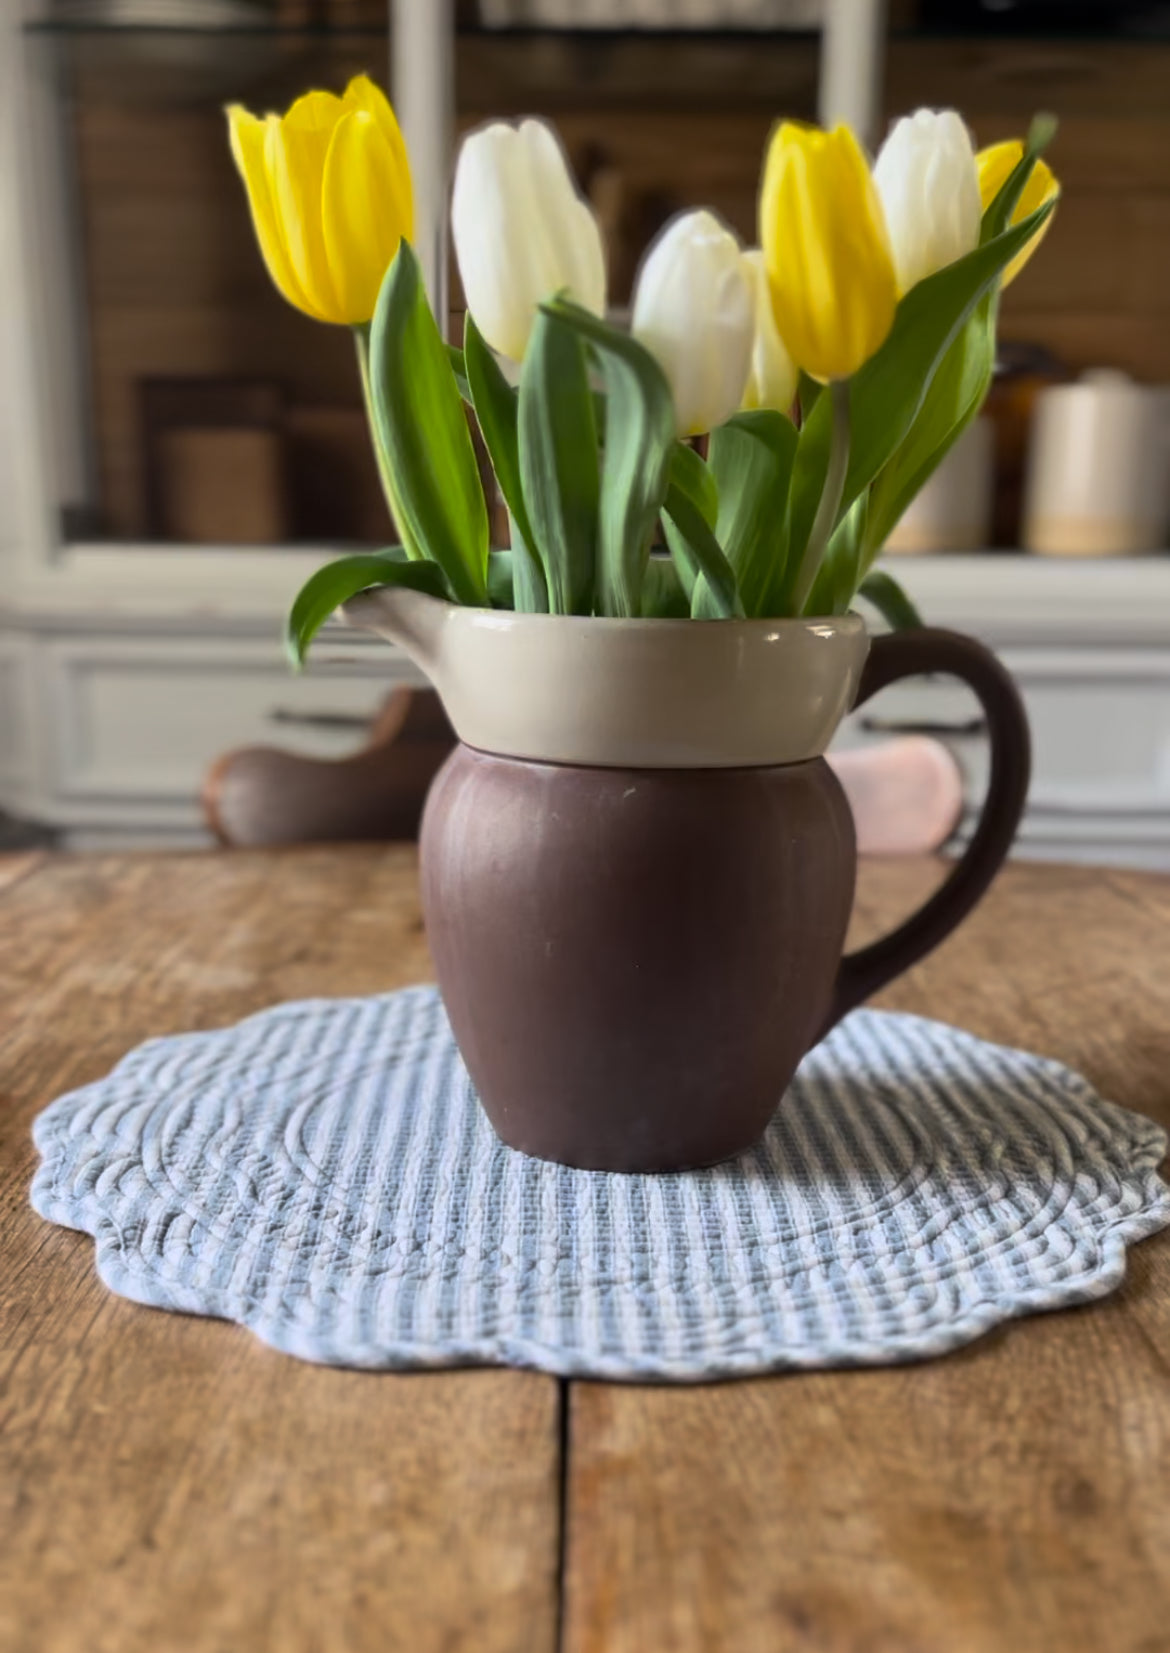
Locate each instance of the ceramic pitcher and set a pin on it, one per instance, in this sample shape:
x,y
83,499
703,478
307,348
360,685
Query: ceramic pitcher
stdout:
x,y
638,869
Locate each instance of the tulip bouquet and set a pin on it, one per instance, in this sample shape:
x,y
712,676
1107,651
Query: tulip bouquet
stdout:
x,y
825,374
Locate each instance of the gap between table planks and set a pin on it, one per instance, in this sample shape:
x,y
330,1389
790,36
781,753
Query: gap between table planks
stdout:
x,y
1011,1498
168,1483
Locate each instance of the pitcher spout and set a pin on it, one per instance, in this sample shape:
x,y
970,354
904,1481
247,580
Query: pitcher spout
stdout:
x,y
411,619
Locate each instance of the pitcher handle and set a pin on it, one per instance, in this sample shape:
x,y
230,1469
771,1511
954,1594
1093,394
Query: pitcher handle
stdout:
x,y
908,654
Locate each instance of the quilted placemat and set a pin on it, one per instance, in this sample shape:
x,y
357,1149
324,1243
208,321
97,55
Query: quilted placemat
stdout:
x,y
322,1174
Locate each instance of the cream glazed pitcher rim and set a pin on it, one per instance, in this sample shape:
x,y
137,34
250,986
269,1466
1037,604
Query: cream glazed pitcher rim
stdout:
x,y
637,693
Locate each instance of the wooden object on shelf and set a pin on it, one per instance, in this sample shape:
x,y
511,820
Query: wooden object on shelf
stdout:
x,y
1023,372
334,492
214,461
260,795
222,487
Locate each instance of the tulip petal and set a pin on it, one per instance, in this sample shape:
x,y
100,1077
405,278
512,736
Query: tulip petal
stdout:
x,y
364,96
521,232
830,270
995,166
295,152
926,177
360,228
246,132
569,233
492,213
693,311
772,377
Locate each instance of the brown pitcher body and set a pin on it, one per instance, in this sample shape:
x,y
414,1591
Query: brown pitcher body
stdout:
x,y
634,961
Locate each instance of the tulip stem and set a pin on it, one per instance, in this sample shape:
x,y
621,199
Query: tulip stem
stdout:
x,y
830,503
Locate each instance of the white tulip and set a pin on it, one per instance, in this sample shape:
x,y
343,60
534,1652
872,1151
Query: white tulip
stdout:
x,y
521,232
772,378
693,311
928,182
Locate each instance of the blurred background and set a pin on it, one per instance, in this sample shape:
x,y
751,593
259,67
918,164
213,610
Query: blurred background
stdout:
x,y
180,448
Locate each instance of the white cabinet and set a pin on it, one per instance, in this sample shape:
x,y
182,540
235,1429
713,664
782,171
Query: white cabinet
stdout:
x,y
109,735
1089,646
135,722
126,670
110,720
15,716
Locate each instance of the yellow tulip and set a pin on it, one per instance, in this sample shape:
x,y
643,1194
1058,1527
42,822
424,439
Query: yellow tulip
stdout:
x,y
826,250
995,165
330,192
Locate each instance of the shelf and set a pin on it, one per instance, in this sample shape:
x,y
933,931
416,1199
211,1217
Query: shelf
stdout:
x,y
1156,27
1010,597
52,29
181,67
639,73
497,71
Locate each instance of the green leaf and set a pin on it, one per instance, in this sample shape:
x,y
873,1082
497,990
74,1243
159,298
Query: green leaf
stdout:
x,y
891,602
559,462
808,393
325,591
956,394
888,391
639,436
361,336
529,588
496,408
422,429
810,471
459,369
500,579
998,215
495,404
689,473
750,458
961,380
840,571
886,394
1043,128
663,597
801,568
702,568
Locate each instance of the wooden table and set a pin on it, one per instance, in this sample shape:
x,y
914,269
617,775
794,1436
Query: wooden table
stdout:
x,y
168,1483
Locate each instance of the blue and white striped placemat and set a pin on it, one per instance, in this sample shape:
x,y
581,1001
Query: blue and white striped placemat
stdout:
x,y
322,1174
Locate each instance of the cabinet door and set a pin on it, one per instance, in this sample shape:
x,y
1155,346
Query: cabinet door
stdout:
x,y
135,724
1100,722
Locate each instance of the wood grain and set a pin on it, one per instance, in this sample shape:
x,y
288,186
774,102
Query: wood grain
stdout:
x,y
18,865
1009,1497
168,1483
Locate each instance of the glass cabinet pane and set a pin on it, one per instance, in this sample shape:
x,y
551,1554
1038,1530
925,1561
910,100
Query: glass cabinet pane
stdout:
x,y
212,412
215,413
